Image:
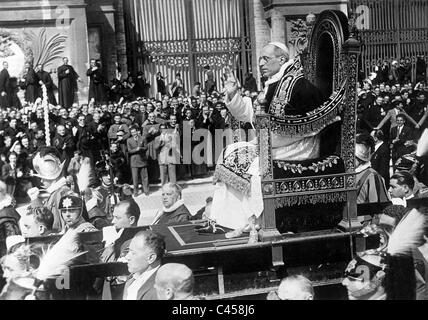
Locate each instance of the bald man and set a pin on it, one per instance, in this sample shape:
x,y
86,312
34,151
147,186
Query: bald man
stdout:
x,y
296,288
174,281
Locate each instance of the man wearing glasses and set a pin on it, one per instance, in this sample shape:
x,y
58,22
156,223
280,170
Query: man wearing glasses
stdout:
x,y
286,93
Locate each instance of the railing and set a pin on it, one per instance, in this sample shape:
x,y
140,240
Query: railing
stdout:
x,y
390,30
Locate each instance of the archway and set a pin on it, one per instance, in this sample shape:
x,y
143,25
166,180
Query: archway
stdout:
x,y
324,66
328,34
324,71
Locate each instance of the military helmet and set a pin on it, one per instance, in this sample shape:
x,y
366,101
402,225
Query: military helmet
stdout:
x,y
70,201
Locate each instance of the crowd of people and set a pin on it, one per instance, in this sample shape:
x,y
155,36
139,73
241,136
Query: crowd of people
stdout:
x,y
120,137
390,120
142,137
392,71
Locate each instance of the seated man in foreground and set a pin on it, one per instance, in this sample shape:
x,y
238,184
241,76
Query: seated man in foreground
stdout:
x,y
174,281
144,260
295,287
125,215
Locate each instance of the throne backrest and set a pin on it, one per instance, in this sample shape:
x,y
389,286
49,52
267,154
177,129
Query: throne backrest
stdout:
x,y
323,58
331,63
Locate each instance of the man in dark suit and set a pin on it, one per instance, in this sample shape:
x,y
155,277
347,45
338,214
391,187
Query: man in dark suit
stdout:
x,y
46,79
381,156
11,172
31,84
96,84
374,114
174,210
9,219
125,215
144,260
13,131
137,147
64,143
151,131
4,86
402,139
67,84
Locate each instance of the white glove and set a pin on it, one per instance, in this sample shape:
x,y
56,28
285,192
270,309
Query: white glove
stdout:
x,y
92,203
33,193
110,235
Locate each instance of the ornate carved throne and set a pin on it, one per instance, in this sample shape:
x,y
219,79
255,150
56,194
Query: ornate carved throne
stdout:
x,y
319,195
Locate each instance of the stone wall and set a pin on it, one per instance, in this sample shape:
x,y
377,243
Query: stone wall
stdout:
x,y
122,57
101,17
260,34
55,17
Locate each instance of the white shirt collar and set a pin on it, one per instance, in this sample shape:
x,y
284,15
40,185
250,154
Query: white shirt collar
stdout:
x,y
140,280
363,167
174,207
277,76
378,144
402,201
410,197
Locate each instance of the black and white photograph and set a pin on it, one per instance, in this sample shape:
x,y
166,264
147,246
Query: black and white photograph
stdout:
x,y
217,151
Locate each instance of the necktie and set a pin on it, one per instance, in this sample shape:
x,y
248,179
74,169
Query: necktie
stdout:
x,y
399,131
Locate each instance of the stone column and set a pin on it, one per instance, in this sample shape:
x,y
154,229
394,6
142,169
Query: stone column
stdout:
x,y
260,35
121,36
278,31
71,21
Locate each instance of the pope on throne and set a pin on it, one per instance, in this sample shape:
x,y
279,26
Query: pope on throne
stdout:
x,y
238,197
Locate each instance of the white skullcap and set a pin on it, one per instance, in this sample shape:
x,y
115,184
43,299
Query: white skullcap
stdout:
x,y
279,45
13,240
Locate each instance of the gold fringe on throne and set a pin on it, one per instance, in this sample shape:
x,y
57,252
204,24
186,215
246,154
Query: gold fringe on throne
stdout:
x,y
233,180
313,122
289,201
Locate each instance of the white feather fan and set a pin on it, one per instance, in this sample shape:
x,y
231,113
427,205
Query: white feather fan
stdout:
x,y
85,174
57,259
408,234
422,148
